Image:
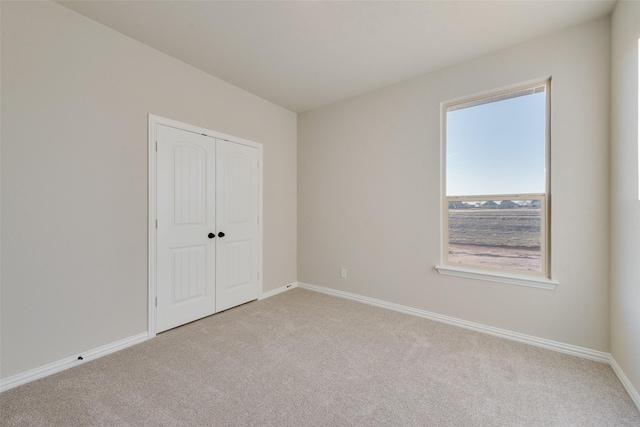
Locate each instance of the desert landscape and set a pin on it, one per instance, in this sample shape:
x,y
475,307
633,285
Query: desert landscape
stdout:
x,y
508,238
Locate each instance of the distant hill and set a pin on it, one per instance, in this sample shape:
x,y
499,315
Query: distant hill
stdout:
x,y
490,205
508,204
459,205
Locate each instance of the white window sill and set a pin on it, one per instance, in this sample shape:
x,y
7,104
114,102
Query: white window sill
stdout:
x,y
493,276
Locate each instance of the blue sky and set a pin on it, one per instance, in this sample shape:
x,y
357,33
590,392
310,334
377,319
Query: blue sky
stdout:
x,y
497,148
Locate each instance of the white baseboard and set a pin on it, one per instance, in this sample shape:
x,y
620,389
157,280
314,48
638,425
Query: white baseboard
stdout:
x,y
633,393
70,362
279,290
573,350
582,352
585,353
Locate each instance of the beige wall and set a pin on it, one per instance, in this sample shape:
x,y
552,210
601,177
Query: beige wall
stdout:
x,y
369,192
75,99
625,206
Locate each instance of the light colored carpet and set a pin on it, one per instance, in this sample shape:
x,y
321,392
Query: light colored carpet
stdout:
x,y
306,359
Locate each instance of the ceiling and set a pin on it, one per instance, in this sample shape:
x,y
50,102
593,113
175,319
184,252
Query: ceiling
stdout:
x,y
305,54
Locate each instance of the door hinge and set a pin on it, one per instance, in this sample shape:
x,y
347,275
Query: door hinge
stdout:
x,y
156,301
156,224
156,145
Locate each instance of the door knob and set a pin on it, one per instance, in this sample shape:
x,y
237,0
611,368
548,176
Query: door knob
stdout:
x,y
211,235
221,234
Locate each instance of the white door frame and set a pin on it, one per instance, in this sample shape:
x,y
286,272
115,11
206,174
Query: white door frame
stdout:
x,y
153,122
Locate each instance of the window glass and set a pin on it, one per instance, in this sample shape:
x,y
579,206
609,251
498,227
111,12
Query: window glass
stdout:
x,y
497,145
496,180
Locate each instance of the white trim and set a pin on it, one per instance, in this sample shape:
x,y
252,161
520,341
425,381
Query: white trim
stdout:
x,y
158,120
70,362
633,393
501,90
151,249
585,353
277,291
494,276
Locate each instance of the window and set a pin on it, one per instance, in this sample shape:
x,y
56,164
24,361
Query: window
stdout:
x,y
496,182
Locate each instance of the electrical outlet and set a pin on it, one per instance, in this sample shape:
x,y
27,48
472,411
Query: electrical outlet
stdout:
x,y
343,273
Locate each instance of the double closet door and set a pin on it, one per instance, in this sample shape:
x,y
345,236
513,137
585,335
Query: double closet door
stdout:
x,y
207,250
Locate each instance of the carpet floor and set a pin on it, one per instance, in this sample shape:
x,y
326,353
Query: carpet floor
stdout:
x,y
306,359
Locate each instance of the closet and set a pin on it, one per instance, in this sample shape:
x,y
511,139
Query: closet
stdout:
x,y
207,224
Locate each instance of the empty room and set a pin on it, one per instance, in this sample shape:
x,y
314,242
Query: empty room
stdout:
x,y
320,213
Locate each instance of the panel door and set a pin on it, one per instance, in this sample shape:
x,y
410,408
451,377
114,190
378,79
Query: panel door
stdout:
x,y
237,201
185,285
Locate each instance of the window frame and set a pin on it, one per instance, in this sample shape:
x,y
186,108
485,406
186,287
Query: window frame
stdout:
x,y
529,278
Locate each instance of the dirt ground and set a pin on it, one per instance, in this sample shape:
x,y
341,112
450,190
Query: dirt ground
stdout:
x,y
513,259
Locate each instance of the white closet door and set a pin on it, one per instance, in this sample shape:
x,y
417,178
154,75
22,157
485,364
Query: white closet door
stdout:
x,y
186,252
237,243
